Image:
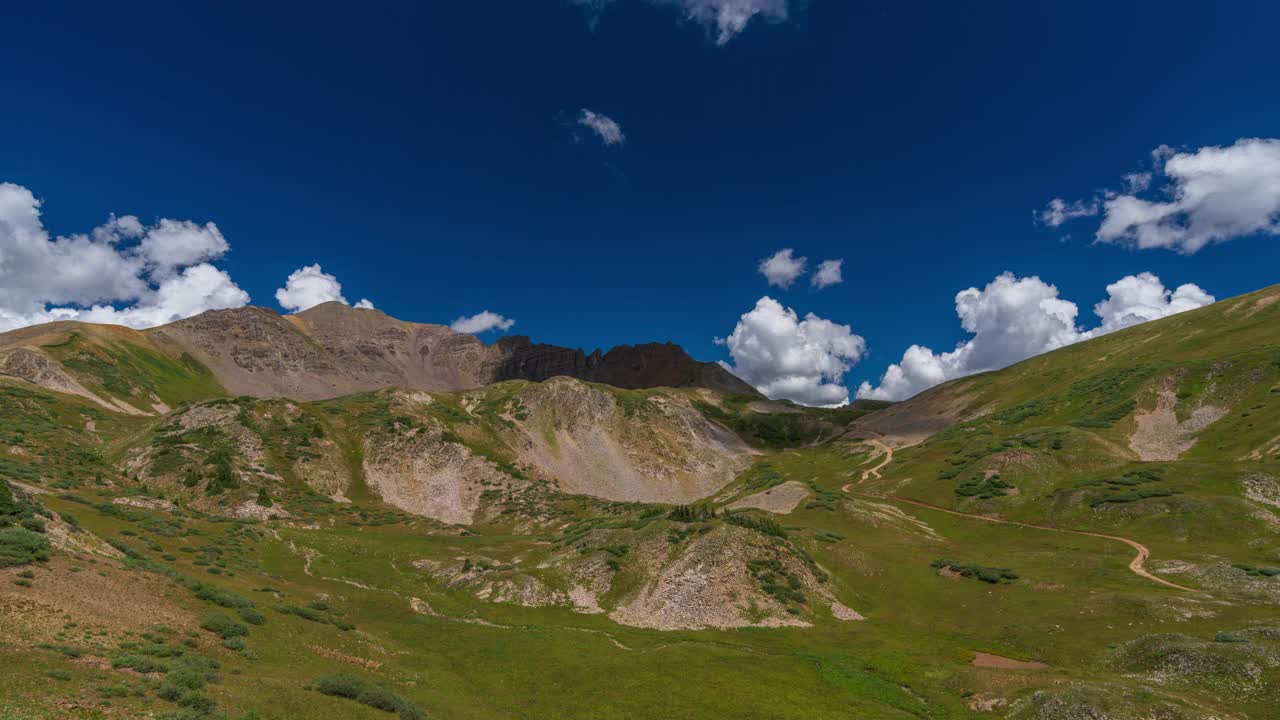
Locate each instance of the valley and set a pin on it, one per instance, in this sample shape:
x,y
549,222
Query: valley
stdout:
x,y
336,514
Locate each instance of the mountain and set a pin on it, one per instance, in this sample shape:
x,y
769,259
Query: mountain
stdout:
x,y
249,515
327,351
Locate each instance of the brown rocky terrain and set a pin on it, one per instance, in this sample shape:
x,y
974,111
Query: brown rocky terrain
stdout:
x,y
333,350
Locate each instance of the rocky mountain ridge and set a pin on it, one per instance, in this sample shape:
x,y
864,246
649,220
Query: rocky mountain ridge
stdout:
x,y
333,350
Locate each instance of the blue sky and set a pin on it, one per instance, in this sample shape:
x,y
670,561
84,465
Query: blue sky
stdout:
x,y
429,155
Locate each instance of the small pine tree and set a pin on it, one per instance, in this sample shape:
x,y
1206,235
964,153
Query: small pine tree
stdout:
x,y
263,498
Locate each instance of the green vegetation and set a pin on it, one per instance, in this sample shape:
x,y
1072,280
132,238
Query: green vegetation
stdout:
x,y
983,487
22,539
991,575
758,523
692,513
351,687
1257,570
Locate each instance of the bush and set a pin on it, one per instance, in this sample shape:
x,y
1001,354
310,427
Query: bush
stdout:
x,y
64,649
1256,570
759,524
59,674
140,663
223,626
319,614
379,698
692,513
187,679
973,570
341,685
251,616
20,546
214,594
170,691
351,687
199,702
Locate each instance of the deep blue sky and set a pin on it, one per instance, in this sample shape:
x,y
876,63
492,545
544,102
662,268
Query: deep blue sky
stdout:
x,y
424,152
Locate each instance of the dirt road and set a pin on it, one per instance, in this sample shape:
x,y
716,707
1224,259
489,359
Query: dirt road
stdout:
x,y
1137,565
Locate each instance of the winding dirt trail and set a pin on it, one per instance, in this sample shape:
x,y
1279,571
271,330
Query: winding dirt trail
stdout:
x,y
1137,565
888,458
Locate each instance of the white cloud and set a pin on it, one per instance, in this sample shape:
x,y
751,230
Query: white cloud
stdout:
x,y
783,268
786,357
158,273
1059,211
174,244
364,304
1136,182
482,322
725,18
1214,194
1014,318
829,273
609,131
307,287
191,292
730,17
1138,298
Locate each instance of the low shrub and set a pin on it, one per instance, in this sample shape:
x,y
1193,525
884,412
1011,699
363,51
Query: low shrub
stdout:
x,y
973,570
140,663
352,687
251,616
223,626
1257,571
20,546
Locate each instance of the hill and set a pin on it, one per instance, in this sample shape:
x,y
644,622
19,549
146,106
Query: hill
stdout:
x,y
1091,533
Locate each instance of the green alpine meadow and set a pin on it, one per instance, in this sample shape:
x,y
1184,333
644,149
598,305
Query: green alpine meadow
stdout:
x,y
1093,532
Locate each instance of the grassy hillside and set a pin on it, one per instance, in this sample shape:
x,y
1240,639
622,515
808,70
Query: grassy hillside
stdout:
x,y
498,553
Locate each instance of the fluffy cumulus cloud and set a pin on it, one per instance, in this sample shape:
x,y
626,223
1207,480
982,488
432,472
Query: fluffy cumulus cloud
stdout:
x,y
786,357
783,268
482,322
122,271
1138,298
309,286
723,18
830,272
605,128
1013,318
1195,198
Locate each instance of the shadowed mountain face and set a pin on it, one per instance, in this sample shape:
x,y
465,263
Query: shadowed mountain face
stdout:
x,y
626,366
333,350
